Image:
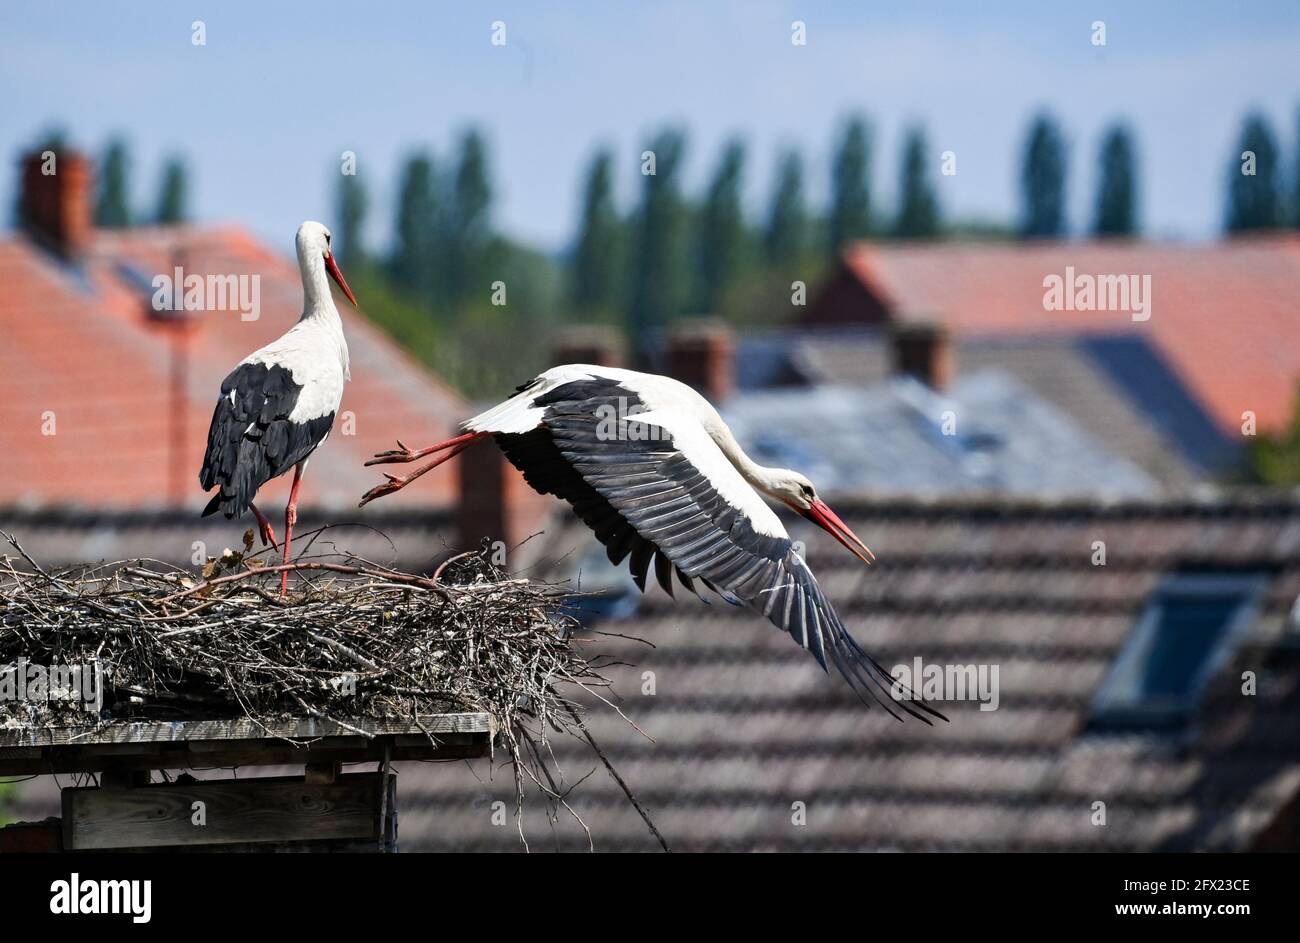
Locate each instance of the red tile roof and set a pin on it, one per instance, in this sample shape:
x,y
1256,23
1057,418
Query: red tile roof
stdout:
x,y
81,345
1226,316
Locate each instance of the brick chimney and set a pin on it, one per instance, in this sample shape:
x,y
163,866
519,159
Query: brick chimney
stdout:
x,y
596,344
57,201
702,355
923,351
495,501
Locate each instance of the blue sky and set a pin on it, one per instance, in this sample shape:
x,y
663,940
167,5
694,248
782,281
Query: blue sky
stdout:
x,y
264,109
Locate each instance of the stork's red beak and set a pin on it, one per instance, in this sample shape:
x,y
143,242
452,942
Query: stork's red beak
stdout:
x,y
829,521
333,268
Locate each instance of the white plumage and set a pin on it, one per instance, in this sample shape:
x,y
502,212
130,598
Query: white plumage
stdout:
x,y
651,468
695,426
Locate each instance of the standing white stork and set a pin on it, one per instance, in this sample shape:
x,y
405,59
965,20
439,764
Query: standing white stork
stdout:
x,y
279,403
650,466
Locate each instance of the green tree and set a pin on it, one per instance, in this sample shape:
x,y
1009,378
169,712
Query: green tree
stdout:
x,y
918,208
353,204
787,221
55,139
1275,459
1042,181
594,278
112,206
173,194
466,238
412,260
850,215
1254,188
1117,190
721,232
1295,165
658,269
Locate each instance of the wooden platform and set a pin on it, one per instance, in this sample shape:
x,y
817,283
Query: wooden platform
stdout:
x,y
322,810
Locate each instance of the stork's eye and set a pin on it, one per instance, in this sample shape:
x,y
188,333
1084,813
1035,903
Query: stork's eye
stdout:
x,y
807,491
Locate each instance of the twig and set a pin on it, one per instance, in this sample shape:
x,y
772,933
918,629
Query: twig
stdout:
x,y
627,790
293,567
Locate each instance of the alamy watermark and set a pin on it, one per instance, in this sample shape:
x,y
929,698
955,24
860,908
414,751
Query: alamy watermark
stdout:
x,y
180,292
28,682
88,896
616,423
947,683
1084,292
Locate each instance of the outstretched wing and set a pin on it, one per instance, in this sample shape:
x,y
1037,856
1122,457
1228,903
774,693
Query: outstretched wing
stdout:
x,y
253,438
652,482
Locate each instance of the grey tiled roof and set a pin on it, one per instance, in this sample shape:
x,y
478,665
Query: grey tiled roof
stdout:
x,y
1096,380
70,536
892,437
745,725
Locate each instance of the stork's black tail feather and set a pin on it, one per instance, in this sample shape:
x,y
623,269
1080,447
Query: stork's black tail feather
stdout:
x,y
224,503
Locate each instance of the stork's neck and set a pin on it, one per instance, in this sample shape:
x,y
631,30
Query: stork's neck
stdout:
x,y
318,311
317,299
760,476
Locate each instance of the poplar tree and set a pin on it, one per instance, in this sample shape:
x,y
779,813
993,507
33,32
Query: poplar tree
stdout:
x,y
594,274
658,263
918,208
850,215
1254,187
1117,189
721,235
1042,181
111,206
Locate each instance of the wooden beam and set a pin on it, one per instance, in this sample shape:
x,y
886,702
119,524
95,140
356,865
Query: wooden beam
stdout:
x,y
297,728
173,756
232,812
198,744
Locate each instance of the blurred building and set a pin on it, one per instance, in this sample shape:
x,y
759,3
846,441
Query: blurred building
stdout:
x,y
105,396
1197,340
1086,379
106,399
907,409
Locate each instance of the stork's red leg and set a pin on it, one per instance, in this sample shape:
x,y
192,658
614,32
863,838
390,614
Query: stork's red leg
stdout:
x,y
264,527
403,454
290,518
395,483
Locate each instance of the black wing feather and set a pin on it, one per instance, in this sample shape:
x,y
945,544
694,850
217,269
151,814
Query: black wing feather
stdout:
x,y
251,439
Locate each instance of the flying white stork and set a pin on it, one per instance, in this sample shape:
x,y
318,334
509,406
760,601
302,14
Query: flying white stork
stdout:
x,y
650,466
279,403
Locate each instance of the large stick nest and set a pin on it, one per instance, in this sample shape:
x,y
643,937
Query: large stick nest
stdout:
x,y
353,639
